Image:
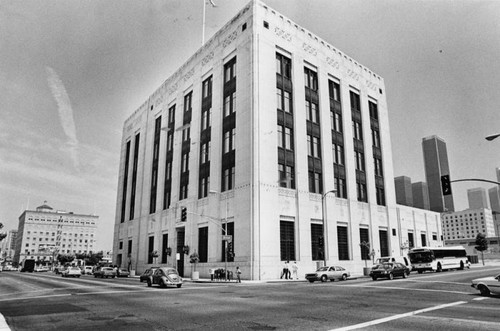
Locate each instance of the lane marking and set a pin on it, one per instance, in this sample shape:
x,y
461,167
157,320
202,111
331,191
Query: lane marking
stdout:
x,y
394,317
3,324
435,281
480,299
408,289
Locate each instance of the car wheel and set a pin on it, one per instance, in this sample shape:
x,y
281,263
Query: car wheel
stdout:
x,y
78,276
391,276
311,280
344,277
162,283
374,278
484,290
332,280
324,278
149,283
420,271
95,276
179,285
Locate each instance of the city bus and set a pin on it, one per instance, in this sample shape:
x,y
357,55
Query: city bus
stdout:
x,y
438,258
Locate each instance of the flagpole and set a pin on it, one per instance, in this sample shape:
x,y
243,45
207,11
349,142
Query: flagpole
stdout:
x,y
203,24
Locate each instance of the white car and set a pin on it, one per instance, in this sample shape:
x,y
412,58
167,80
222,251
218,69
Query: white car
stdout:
x,y
487,285
88,270
71,272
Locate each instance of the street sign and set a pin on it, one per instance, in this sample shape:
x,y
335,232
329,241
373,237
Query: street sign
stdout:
x,y
227,237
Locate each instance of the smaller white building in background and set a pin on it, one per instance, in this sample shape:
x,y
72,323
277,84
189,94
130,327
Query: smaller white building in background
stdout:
x,y
467,224
43,233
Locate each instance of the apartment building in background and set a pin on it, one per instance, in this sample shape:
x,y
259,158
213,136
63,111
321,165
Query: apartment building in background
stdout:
x,y
44,232
250,135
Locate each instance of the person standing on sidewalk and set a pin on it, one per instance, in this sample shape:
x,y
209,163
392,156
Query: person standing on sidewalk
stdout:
x,y
238,274
295,268
285,270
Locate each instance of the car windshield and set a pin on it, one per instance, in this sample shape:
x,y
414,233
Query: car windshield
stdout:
x,y
108,269
75,268
383,266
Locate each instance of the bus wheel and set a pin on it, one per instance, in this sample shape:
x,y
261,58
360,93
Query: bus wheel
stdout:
x,y
439,268
461,265
420,271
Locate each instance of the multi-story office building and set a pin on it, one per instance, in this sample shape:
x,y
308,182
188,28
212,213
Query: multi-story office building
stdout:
x,y
477,198
43,233
436,165
404,193
467,224
251,135
420,195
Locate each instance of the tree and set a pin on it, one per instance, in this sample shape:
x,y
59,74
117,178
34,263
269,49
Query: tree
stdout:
x,y
2,235
482,244
65,258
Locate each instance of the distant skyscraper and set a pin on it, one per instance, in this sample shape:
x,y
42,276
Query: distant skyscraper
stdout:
x,y
477,198
436,165
420,192
404,194
494,194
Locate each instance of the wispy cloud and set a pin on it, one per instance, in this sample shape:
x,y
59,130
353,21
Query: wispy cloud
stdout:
x,y
65,114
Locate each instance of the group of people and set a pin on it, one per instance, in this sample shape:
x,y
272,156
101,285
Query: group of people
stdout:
x,y
287,274
220,274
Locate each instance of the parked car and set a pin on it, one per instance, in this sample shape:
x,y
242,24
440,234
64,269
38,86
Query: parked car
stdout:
x,y
122,273
400,259
71,272
328,273
164,277
41,269
105,272
389,271
9,268
88,270
147,274
487,285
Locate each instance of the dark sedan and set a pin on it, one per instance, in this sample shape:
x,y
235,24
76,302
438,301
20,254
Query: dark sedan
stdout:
x,y
389,271
148,274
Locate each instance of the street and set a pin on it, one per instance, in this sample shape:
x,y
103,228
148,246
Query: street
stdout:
x,y
428,301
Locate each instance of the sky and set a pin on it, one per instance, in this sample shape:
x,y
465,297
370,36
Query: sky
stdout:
x,y
72,71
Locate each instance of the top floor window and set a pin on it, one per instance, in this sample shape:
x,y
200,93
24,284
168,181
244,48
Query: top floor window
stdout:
x,y
334,90
355,102
230,70
373,110
311,79
283,66
207,87
187,101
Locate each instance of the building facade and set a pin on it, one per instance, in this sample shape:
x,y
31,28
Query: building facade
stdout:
x,y
477,198
43,233
8,245
251,135
436,165
467,224
404,193
420,195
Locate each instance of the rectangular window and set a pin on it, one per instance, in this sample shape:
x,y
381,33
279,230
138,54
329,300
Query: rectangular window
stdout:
x,y
287,241
343,243
154,166
134,176
203,244
129,248
230,70
364,237
230,232
384,242
361,190
228,179
151,245
423,237
411,241
286,176
229,104
125,179
315,182
164,246
316,250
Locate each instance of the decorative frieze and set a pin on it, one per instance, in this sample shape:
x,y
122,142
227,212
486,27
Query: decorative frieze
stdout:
x,y
371,85
188,74
230,39
353,74
207,58
333,63
283,34
309,49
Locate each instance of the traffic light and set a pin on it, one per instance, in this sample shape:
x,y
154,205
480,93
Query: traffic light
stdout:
x,y
183,214
230,251
321,242
445,184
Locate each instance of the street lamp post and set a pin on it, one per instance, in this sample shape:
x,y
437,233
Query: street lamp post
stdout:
x,y
224,229
325,230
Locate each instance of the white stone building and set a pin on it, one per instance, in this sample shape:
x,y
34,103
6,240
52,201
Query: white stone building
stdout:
x,y
466,224
43,233
250,135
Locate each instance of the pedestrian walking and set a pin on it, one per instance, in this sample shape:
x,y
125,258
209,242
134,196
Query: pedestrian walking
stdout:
x,y
295,268
238,274
285,271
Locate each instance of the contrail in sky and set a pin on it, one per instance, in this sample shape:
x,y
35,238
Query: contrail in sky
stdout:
x,y
65,113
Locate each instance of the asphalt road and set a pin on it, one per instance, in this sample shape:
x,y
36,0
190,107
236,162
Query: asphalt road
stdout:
x,y
430,301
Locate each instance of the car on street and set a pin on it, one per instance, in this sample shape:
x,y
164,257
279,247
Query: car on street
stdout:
x,y
9,268
389,270
147,274
165,277
487,285
122,273
88,270
41,269
328,273
71,272
105,272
